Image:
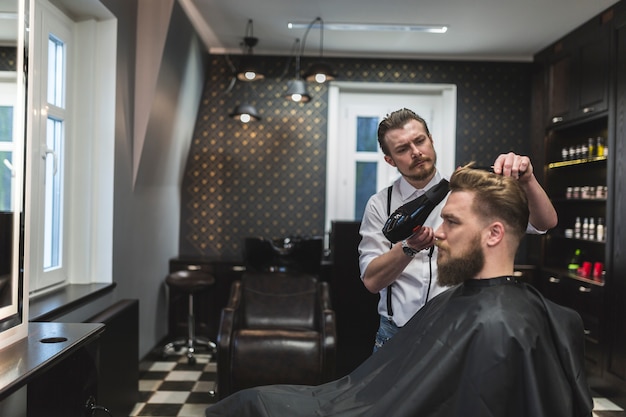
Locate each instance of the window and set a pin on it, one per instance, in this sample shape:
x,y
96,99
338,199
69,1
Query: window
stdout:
x,y
71,145
53,48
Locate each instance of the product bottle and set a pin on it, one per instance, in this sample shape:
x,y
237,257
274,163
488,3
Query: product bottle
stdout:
x,y
585,228
592,229
600,229
591,148
600,146
574,263
577,228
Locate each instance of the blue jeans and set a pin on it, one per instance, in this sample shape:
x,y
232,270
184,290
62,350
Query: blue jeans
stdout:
x,y
386,330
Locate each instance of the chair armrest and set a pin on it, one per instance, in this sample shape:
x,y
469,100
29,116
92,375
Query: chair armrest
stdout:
x,y
328,327
234,298
324,295
228,322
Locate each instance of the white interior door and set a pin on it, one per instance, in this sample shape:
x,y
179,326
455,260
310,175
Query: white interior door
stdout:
x,y
355,105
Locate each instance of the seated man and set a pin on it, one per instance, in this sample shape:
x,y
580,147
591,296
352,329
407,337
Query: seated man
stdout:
x,y
488,346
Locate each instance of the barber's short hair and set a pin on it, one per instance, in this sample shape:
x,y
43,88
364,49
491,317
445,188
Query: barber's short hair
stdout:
x,y
496,197
397,120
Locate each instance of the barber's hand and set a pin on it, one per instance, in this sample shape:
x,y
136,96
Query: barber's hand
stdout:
x,y
514,165
423,238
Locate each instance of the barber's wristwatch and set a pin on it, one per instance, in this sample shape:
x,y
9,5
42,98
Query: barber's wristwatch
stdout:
x,y
408,251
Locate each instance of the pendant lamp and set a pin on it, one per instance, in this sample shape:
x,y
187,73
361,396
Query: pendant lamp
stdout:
x,y
249,68
319,71
245,113
296,88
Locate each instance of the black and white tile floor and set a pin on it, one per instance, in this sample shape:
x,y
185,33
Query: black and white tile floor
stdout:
x,y
173,388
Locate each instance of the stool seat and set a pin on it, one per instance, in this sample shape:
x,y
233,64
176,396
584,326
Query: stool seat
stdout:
x,y
189,282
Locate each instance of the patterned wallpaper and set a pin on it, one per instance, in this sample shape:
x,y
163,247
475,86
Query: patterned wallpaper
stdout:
x,y
8,58
268,178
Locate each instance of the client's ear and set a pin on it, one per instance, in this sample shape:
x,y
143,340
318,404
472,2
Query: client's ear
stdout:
x,y
495,233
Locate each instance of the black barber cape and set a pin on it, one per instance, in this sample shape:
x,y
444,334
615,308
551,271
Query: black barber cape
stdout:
x,y
492,348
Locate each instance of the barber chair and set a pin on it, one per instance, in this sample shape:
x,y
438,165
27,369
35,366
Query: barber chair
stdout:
x,y
277,328
299,254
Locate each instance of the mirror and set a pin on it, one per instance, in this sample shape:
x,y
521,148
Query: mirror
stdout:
x,y
13,47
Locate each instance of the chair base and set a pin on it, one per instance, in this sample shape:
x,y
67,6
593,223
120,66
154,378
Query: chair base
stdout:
x,y
188,348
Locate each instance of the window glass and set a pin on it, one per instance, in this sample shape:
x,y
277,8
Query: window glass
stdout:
x,y
366,134
53,195
6,157
6,124
56,73
365,186
6,180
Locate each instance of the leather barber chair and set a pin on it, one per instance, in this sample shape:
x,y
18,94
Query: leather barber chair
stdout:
x,y
277,328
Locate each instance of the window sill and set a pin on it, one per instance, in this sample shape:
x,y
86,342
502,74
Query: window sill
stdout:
x,y
47,307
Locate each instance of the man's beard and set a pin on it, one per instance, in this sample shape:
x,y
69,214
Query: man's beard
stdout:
x,y
423,174
456,270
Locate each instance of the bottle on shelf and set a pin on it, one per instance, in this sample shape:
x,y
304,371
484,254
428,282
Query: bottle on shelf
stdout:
x,y
577,227
574,263
600,229
591,234
600,146
591,148
585,233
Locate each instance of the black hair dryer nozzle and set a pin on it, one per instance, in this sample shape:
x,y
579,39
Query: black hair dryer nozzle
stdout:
x,y
411,216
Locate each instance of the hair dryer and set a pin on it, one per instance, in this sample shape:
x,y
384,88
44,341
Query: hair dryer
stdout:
x,y
409,217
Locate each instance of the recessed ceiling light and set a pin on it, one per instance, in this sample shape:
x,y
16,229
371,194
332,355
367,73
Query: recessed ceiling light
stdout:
x,y
372,27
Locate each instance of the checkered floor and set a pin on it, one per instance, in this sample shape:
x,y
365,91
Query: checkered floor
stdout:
x,y
173,388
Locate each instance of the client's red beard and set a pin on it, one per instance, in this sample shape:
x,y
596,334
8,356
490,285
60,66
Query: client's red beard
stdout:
x,y
455,270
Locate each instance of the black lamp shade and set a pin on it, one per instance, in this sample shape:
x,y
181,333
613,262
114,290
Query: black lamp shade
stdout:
x,y
320,72
245,113
249,69
296,91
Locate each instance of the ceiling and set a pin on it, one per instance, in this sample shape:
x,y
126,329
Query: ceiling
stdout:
x,y
510,30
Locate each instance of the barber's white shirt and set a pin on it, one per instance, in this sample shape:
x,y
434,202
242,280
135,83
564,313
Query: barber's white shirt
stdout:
x,y
416,284
410,291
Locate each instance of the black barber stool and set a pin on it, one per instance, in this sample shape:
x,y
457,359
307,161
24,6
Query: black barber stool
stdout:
x,y
189,282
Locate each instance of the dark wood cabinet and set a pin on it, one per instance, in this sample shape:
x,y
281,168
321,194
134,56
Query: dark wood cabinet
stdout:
x,y
559,66
584,97
578,187
616,288
577,72
58,365
592,61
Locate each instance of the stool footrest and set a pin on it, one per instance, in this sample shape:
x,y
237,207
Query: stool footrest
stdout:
x,y
188,347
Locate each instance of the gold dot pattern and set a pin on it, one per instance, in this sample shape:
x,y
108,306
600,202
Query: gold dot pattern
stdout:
x,y
268,178
8,58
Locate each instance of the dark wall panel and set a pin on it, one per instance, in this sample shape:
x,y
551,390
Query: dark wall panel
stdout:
x,y
268,178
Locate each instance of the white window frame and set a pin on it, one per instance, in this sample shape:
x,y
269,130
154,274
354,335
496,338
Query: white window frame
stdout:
x,y
89,150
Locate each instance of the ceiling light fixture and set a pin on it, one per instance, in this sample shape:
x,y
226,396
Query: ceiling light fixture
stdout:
x,y
245,113
248,67
373,27
296,88
319,71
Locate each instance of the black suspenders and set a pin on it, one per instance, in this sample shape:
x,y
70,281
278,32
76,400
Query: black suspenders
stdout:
x,y
430,255
389,309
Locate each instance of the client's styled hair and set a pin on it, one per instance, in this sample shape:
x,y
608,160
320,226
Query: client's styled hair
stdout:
x,y
496,196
